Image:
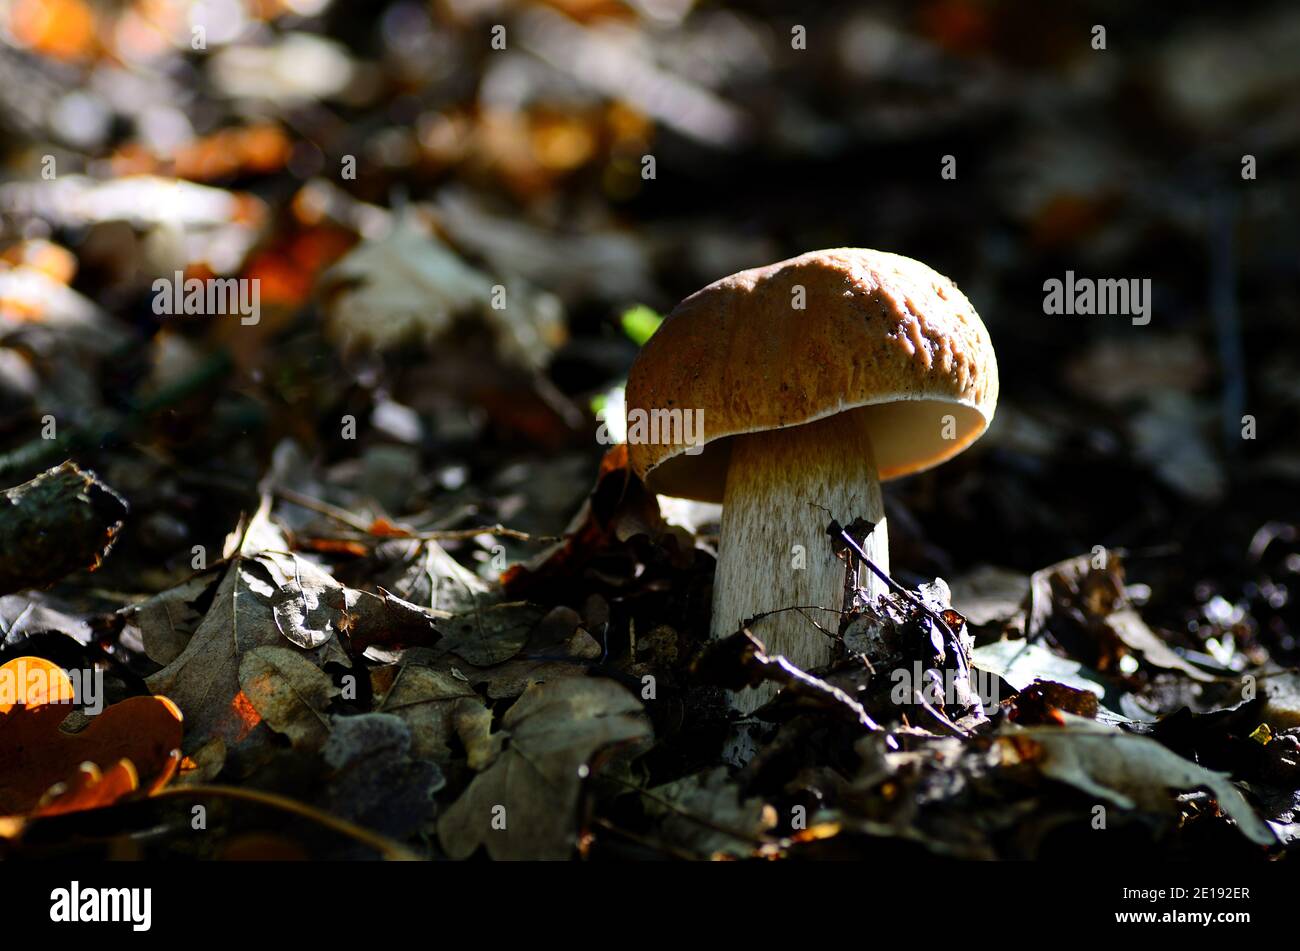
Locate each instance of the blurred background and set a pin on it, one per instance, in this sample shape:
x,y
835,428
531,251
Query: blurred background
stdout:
x,y
382,167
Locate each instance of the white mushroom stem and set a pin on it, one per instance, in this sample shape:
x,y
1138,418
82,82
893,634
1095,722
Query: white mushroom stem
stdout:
x,y
774,552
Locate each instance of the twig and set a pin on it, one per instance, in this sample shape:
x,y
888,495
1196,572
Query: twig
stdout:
x,y
391,850
795,607
322,507
645,843
499,530
950,637
454,534
938,715
898,588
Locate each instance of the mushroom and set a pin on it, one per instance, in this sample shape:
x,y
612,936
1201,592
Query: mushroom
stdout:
x,y
789,393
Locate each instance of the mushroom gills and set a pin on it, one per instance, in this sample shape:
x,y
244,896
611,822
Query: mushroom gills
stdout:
x,y
783,488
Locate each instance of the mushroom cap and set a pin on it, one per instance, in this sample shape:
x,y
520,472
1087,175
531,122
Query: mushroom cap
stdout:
x,y
879,335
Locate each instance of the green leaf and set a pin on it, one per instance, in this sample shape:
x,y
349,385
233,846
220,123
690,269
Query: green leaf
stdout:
x,y
640,323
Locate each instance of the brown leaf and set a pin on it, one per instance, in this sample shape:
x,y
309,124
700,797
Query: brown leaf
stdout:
x,y
167,621
204,679
428,701
523,805
491,635
289,692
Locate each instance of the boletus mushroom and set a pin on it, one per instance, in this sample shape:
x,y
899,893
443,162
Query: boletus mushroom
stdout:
x,y
802,386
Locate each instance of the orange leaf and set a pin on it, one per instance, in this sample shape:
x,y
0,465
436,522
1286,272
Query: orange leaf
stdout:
x,y
44,770
386,529
48,258
61,29
88,789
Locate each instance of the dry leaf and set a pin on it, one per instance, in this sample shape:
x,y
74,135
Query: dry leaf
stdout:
x,y
289,692
427,701
705,814
1133,772
167,621
409,286
491,635
204,680
523,806
37,758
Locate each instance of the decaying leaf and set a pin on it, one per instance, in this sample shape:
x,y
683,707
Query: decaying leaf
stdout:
x,y
1044,702
569,658
473,724
989,594
429,577
289,692
378,780
618,508
1132,772
167,621
90,788
705,814
427,701
384,620
523,805
1082,602
493,634
408,286
1127,625
302,604
1020,663
204,678
270,598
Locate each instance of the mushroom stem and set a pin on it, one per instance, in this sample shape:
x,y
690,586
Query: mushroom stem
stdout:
x,y
774,552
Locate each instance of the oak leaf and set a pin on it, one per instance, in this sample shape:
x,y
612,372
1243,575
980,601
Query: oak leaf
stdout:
x,y
43,771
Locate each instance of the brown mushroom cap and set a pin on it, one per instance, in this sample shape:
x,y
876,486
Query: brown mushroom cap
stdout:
x,y
880,335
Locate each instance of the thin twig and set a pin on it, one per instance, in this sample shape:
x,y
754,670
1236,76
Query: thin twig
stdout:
x,y
646,843
391,850
896,587
454,534
796,607
321,507
919,605
499,530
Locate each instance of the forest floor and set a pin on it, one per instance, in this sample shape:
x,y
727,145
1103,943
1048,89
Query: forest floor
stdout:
x,y
366,555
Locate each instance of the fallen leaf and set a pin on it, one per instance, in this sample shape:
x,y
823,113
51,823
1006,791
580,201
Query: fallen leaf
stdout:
x,y
1132,772
1128,626
289,692
167,620
705,813
302,604
378,778
41,766
523,805
492,634
89,788
571,658
1084,606
1020,663
427,576
204,679
409,286
427,701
